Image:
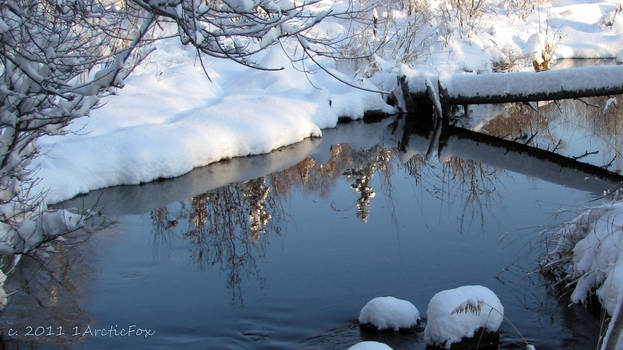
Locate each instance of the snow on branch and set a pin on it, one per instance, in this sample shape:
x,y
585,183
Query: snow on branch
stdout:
x,y
56,59
239,29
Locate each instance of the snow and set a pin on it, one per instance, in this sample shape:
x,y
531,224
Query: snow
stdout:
x,y
457,313
524,83
170,119
593,245
162,126
369,345
30,233
389,313
594,240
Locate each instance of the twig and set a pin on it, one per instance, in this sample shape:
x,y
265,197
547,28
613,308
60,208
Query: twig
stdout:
x,y
587,153
531,137
588,103
606,166
557,145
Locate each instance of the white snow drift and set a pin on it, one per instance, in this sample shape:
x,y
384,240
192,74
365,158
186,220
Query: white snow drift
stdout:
x,y
389,313
458,313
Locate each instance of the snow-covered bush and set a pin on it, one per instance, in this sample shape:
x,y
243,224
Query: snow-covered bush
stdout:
x,y
458,313
389,313
587,255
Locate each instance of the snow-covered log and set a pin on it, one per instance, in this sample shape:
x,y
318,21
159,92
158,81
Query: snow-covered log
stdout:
x,y
532,86
464,89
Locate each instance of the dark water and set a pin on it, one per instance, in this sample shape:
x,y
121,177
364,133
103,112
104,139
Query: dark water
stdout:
x,y
281,251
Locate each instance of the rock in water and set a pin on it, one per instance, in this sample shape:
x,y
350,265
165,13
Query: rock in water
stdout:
x,y
370,345
457,314
389,313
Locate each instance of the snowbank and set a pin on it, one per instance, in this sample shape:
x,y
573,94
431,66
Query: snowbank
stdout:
x,y
369,345
170,119
458,313
589,251
3,295
592,243
389,313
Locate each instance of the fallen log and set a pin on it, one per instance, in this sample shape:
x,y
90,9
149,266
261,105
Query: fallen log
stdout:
x,y
465,89
461,89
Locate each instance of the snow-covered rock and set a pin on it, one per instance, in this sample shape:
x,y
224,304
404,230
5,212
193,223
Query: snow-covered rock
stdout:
x,y
389,313
458,313
369,345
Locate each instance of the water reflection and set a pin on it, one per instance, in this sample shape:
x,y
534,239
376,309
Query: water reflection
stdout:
x,y
225,228
230,227
553,126
49,291
228,216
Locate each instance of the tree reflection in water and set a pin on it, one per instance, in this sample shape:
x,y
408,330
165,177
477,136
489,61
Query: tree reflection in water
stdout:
x,y
225,227
48,288
229,227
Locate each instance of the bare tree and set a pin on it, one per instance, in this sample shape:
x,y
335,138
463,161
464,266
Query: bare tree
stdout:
x,y
240,29
57,57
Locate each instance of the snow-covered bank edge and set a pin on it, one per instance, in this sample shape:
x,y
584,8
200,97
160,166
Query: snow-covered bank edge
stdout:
x,y
161,127
587,256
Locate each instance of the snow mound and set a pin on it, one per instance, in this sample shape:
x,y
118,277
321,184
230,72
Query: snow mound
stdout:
x,y
457,313
369,345
389,313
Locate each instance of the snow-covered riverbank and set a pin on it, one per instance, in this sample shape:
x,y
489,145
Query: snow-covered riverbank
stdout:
x,y
170,118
